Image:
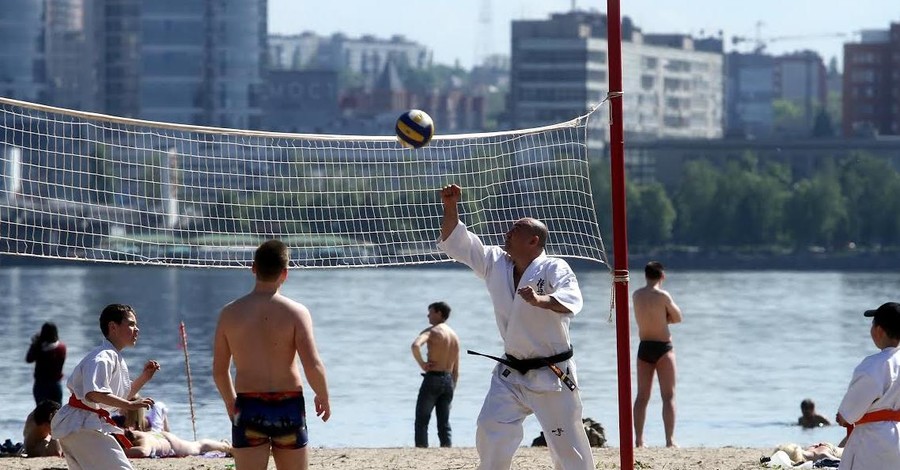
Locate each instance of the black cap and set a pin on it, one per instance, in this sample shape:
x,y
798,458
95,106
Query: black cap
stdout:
x,y
887,315
890,308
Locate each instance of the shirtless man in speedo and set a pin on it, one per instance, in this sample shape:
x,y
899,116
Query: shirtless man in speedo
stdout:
x,y
264,332
654,310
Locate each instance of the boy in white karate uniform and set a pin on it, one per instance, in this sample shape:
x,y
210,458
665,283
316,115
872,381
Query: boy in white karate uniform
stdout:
x,y
535,297
871,407
100,384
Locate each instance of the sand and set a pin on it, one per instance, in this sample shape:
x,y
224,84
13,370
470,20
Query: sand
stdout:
x,y
527,458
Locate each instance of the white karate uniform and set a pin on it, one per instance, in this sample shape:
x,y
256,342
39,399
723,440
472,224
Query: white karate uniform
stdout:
x,y
527,332
84,436
875,386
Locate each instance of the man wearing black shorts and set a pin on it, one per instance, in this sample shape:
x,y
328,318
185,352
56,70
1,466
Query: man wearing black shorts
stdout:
x,y
654,311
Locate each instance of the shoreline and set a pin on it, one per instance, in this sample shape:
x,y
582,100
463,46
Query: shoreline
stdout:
x,y
408,458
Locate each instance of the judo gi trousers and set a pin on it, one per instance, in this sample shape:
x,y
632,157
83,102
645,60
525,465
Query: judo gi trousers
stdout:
x,y
500,429
89,449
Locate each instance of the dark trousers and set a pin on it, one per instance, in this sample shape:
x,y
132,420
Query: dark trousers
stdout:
x,y
435,393
47,390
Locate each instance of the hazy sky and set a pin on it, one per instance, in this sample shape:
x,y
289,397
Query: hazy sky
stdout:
x,y
458,29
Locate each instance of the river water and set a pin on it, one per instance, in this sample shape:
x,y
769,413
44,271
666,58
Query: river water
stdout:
x,y
752,345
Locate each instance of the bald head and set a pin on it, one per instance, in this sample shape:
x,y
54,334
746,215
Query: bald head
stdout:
x,y
536,228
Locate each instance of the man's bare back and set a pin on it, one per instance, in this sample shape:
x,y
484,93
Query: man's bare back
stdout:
x,y
443,348
654,310
265,332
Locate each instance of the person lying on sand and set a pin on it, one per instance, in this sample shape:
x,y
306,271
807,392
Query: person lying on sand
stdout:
x,y
159,444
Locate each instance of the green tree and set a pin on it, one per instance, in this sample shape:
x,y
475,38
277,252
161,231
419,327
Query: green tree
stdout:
x,y
695,203
872,189
788,117
816,210
651,215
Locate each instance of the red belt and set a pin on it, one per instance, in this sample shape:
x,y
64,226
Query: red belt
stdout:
x,y
875,416
76,403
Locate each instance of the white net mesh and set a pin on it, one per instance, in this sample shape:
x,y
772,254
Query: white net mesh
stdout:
x,y
92,187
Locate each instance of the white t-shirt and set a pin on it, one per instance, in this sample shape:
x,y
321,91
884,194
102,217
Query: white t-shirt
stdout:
x,y
102,370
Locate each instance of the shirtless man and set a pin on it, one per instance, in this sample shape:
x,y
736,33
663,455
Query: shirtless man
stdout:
x,y
654,310
160,444
38,442
264,332
441,372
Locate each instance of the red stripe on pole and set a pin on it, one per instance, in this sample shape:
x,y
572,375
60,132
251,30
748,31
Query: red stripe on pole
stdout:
x,y
620,232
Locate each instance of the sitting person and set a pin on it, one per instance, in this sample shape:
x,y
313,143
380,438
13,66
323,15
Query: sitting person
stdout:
x,y
811,419
159,444
154,419
38,442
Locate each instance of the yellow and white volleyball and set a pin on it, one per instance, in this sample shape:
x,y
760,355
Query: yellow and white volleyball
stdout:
x,y
415,128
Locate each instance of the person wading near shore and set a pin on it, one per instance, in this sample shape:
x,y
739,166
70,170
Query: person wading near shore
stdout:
x,y
98,385
871,407
264,332
535,297
654,311
440,374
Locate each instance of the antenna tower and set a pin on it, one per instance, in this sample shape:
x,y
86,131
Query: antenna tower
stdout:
x,y
485,41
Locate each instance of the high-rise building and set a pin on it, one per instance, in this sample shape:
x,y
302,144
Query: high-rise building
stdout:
x,y
749,93
871,98
65,45
22,66
800,80
198,62
559,71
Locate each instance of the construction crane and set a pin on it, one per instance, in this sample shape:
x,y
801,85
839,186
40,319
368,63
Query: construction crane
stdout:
x,y
761,42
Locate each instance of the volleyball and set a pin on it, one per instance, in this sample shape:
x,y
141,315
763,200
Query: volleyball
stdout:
x,y
414,128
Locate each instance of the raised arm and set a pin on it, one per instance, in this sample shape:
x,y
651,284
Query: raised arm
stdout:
x,y
222,366
33,350
450,196
313,367
150,369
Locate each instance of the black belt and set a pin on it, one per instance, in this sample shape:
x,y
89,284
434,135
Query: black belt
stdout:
x,y
525,365
436,373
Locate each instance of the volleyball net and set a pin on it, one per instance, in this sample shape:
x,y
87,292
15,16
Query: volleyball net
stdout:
x,y
85,186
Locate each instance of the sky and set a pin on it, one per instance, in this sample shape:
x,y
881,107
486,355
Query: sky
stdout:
x,y
464,30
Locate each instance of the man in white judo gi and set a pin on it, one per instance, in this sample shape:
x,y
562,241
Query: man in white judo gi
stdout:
x,y
871,407
535,298
100,384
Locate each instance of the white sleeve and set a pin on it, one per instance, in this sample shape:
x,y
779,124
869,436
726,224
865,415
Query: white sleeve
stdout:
x,y
864,389
466,247
565,287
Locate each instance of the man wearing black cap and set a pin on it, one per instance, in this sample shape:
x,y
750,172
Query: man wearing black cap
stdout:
x,y
871,407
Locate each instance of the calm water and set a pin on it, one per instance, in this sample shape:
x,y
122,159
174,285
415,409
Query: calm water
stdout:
x,y
752,346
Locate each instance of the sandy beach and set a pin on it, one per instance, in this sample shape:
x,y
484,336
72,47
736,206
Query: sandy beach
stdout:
x,y
527,458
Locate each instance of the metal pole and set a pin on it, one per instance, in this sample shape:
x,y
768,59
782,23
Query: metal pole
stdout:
x,y
620,232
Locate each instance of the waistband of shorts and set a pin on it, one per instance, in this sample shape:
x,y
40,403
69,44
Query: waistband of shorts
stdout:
x,y
271,396
437,372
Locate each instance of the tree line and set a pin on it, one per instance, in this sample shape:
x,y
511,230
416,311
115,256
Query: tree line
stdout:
x,y
751,204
